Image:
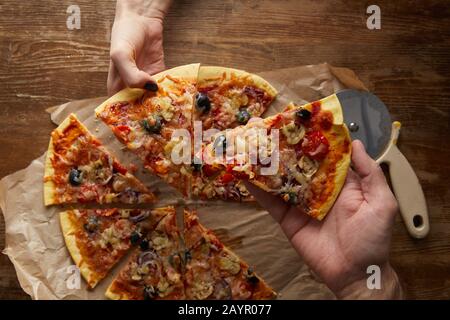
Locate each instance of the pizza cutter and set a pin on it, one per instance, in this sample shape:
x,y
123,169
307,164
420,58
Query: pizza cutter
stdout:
x,y
368,120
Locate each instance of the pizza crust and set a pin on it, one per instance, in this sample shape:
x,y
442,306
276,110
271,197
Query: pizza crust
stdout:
x,y
332,104
110,294
210,74
342,167
68,231
187,72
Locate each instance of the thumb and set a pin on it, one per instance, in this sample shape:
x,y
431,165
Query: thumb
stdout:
x,y
374,184
131,75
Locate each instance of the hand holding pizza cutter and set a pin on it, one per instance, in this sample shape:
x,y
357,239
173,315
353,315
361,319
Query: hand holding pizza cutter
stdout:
x,y
368,120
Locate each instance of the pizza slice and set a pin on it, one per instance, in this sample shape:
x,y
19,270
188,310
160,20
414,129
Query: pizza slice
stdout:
x,y
229,97
78,169
145,120
98,238
154,271
212,271
306,165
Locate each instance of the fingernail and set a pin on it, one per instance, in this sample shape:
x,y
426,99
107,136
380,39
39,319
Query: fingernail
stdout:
x,y
151,86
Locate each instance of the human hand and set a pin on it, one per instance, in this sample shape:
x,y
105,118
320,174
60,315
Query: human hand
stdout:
x,y
136,44
355,234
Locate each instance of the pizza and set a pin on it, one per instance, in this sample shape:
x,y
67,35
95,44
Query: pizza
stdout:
x,y
227,98
145,120
312,155
212,271
308,145
216,97
78,169
98,238
154,270
190,264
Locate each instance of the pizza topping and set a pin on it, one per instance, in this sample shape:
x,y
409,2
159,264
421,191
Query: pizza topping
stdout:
x,y
242,116
175,260
242,189
149,292
160,242
326,120
240,290
75,177
187,256
309,166
303,114
243,172
173,276
291,198
153,124
196,166
144,214
92,224
251,277
202,289
222,290
134,238
109,236
202,102
315,145
144,245
147,258
164,107
294,133
230,263
97,171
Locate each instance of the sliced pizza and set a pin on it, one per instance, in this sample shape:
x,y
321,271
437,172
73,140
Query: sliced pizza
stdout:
x,y
212,271
98,238
154,271
229,97
145,120
78,169
311,155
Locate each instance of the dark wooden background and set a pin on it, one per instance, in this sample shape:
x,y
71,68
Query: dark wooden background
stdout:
x,y
406,63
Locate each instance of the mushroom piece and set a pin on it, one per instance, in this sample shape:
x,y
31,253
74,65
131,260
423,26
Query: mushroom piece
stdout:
x,y
294,133
308,166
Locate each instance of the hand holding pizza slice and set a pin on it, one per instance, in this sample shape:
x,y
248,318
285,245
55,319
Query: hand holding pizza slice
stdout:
x,y
312,154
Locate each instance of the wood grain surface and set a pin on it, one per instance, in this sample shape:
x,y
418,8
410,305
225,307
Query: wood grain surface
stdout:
x,y
406,63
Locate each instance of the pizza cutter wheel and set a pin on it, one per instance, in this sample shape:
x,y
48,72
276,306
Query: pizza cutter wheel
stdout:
x,y
368,120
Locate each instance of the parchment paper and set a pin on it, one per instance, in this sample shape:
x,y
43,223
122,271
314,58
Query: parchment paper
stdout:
x,y
35,245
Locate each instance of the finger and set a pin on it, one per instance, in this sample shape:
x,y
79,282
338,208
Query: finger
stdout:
x,y
362,162
128,71
373,182
290,218
114,83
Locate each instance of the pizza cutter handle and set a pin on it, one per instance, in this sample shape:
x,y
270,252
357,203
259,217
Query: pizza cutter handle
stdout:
x,y
407,189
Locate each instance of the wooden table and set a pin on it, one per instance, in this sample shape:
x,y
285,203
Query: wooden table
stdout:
x,y
406,63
